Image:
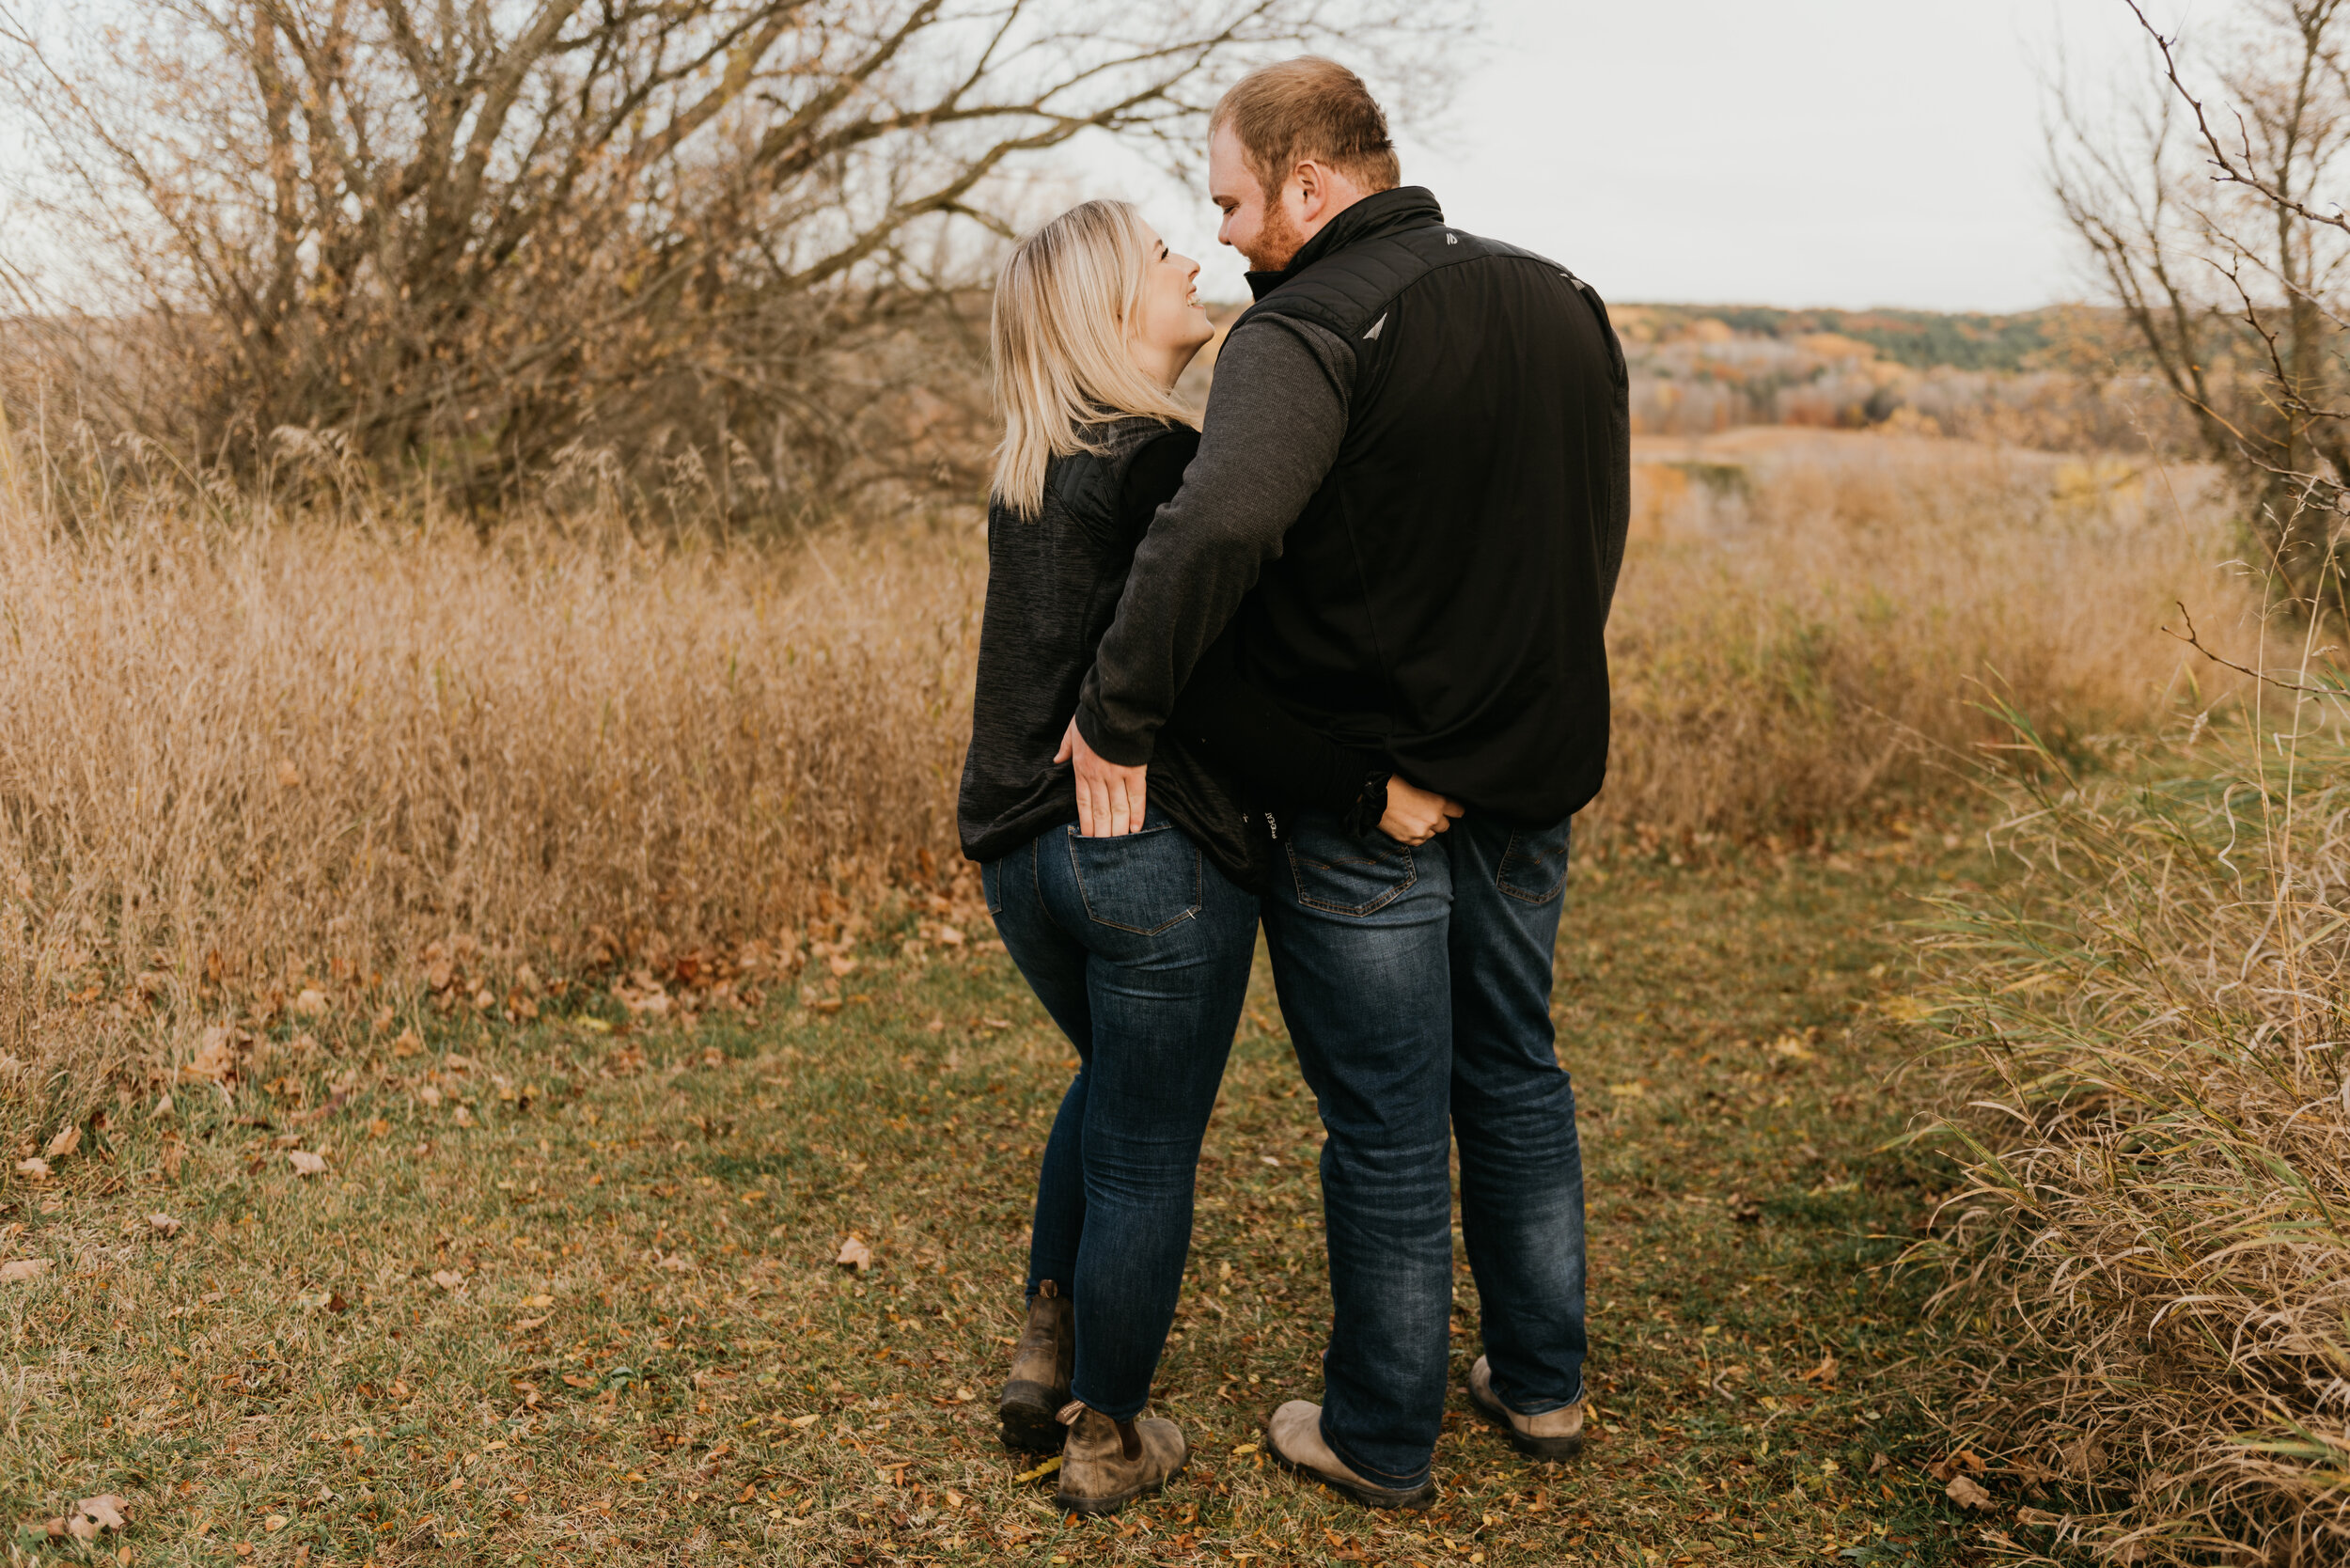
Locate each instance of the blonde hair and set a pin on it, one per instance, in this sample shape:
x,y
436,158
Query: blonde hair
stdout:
x,y
1309,107
1057,332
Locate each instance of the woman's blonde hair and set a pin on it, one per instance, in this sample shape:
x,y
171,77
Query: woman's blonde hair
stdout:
x,y
1063,303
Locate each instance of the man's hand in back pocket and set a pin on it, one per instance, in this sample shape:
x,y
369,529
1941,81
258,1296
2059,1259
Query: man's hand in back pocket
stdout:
x,y
1109,797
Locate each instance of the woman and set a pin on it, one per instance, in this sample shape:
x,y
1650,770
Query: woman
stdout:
x,y
1138,946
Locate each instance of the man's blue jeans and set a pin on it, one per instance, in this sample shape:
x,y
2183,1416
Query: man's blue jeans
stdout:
x,y
1416,984
1140,948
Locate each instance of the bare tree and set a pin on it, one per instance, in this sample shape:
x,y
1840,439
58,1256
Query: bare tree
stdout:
x,y
466,235
2202,207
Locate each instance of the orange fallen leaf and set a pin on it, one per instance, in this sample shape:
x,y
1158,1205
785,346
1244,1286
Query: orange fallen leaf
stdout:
x,y
24,1268
521,1325
311,1004
36,1169
162,1224
854,1254
67,1141
1963,1491
306,1164
447,1279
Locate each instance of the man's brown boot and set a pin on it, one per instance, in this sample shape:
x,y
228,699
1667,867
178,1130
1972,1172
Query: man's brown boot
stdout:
x,y
1106,1465
1553,1434
1040,1366
1294,1436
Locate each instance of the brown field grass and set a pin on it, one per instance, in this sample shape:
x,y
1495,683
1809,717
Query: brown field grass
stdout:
x,y
1808,618
2146,1258
284,764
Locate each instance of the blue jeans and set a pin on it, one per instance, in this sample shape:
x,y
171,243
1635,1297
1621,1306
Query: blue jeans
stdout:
x,y
1140,948
1416,984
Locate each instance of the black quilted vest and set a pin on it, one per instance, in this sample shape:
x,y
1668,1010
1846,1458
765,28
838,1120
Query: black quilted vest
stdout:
x,y
1444,596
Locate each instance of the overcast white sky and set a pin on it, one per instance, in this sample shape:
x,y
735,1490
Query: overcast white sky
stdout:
x,y
1794,152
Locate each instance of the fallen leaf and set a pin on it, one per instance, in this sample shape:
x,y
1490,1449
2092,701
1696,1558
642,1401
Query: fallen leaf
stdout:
x,y
104,1510
289,776
950,936
854,1254
24,1268
678,1262
81,1527
1041,1471
1243,1449
335,1302
163,1109
1958,1464
521,1325
841,966
174,1151
35,1170
275,1523
447,1279
1824,1374
577,1381
995,1023
215,1056
162,1224
311,1004
306,1164
67,1141
805,1421
1878,1463
535,1302
408,1044
1963,1491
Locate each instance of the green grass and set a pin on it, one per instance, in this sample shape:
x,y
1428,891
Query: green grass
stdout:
x,y
652,1357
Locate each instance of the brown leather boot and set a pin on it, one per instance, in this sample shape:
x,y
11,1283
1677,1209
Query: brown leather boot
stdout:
x,y
1293,1435
1106,1465
1553,1434
1041,1365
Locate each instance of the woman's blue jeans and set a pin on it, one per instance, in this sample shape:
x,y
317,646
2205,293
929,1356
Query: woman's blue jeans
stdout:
x,y
1140,948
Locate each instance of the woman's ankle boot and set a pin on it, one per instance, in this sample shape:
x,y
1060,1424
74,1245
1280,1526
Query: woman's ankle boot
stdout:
x,y
1106,1464
1040,1367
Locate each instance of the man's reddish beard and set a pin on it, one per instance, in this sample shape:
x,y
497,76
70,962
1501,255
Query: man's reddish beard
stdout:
x,y
1277,239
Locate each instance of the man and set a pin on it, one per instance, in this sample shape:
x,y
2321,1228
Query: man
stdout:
x,y
1413,488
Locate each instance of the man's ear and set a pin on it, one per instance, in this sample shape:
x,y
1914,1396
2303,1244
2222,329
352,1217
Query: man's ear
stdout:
x,y
1311,189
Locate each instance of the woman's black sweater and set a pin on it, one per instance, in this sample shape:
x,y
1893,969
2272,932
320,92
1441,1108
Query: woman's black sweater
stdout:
x,y
1054,582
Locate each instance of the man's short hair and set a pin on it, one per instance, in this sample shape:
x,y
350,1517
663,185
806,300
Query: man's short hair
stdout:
x,y
1305,108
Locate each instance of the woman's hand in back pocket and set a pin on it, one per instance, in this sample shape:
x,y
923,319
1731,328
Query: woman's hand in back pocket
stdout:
x,y
1415,815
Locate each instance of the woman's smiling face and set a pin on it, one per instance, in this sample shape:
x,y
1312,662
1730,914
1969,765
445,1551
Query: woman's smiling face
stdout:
x,y
1169,323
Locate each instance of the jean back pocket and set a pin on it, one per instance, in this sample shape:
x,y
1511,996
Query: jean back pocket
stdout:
x,y
1341,874
1138,882
1534,866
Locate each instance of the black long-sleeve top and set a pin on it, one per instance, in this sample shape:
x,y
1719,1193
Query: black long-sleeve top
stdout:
x,y
1051,593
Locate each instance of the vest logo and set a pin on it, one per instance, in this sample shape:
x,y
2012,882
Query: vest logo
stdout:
x,y
1450,238
1373,333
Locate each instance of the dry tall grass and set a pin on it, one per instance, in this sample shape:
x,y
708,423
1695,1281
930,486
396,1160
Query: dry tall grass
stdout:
x,y
242,761
238,765
2151,1250
1809,618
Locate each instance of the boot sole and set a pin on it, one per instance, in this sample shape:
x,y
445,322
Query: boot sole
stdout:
x,y
1031,1418
1498,1413
1370,1496
1094,1507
